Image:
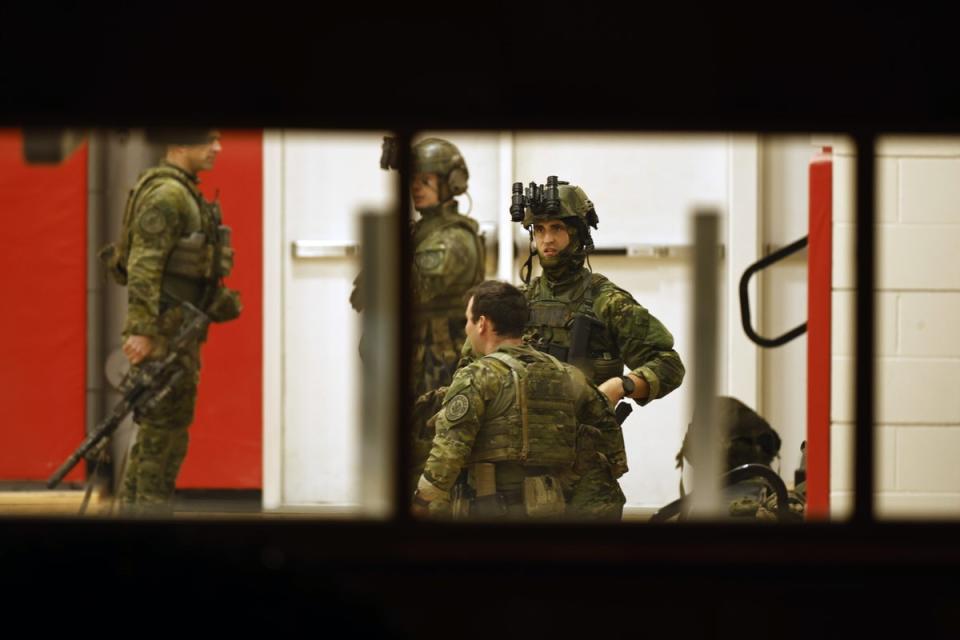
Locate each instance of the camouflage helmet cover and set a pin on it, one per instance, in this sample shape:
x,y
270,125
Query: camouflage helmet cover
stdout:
x,y
435,155
574,203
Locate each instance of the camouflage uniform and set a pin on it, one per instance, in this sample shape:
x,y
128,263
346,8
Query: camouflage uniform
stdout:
x,y
448,259
171,254
482,421
622,331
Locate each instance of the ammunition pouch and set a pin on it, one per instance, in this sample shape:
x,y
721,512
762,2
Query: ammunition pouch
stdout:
x,y
475,495
192,257
110,257
225,305
543,497
224,263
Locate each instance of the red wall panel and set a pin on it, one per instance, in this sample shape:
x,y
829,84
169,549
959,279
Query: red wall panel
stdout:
x,y
43,323
226,438
819,362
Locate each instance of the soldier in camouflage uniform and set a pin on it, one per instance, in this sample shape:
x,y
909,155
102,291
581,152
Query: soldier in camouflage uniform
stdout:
x,y
173,248
449,259
614,329
512,423
749,439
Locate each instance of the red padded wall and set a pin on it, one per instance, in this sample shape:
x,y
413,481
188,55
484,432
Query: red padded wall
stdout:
x,y
226,438
43,323
819,362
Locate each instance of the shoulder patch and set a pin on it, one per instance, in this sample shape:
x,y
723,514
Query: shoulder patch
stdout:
x,y
456,408
429,260
153,222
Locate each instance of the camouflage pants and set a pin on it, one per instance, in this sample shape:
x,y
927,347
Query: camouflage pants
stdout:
x,y
596,496
593,493
154,461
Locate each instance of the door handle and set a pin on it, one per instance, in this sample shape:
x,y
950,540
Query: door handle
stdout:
x,y
317,249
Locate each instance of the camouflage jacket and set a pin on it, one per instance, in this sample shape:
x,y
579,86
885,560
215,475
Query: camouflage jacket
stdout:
x,y
165,211
483,394
448,259
622,332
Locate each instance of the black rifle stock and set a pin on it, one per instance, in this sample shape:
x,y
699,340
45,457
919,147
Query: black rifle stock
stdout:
x,y
149,383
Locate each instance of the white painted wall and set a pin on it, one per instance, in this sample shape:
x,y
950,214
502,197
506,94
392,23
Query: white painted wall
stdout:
x,y
783,293
918,312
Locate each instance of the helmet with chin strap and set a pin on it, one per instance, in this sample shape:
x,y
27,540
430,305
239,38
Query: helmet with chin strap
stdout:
x,y
555,200
433,155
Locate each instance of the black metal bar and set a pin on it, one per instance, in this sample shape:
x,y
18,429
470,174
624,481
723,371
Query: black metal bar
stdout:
x,y
865,331
402,400
759,265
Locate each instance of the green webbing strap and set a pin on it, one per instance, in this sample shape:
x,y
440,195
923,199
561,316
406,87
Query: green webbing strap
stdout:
x,y
516,367
509,360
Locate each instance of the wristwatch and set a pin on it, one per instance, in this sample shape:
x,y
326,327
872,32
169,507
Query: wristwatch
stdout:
x,y
629,386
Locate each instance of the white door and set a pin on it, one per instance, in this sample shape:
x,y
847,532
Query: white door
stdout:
x,y
317,184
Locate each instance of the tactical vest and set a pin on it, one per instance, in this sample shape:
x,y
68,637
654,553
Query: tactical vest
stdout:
x,y
555,317
533,419
202,255
451,304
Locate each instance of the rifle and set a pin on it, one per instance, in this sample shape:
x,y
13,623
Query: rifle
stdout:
x,y
142,388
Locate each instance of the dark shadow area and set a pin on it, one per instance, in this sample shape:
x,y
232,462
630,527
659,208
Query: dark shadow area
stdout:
x,y
628,581
543,66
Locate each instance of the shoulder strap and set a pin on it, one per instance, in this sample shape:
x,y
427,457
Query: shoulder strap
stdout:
x,y
520,388
595,282
509,360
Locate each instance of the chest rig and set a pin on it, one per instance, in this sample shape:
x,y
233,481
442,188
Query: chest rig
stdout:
x,y
201,257
438,332
566,326
452,303
532,420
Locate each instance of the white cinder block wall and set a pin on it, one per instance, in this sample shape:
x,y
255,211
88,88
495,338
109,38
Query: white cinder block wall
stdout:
x,y
918,332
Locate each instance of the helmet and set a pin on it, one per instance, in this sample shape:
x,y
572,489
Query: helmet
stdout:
x,y
573,203
433,155
750,440
554,200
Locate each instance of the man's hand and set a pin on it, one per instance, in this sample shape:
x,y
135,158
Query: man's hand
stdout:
x,y
613,389
136,348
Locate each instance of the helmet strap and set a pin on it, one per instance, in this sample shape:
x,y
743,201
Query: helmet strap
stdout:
x,y
528,265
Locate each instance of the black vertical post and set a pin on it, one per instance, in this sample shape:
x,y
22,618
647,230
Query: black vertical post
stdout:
x,y
865,319
403,402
